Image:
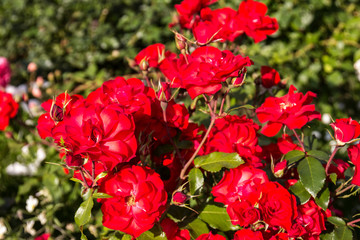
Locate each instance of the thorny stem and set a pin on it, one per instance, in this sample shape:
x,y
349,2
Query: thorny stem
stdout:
x,y
187,165
299,140
93,169
344,190
84,180
330,160
223,101
352,223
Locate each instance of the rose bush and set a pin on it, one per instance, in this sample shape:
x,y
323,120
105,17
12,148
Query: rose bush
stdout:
x,y
137,143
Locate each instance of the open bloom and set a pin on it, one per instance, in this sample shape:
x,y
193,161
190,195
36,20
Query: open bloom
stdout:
x,y
138,200
8,109
345,130
5,72
292,110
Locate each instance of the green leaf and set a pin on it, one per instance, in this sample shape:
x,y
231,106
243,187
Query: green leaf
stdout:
x,y
246,106
294,156
83,236
333,178
323,198
101,175
126,237
217,160
76,180
196,228
148,235
342,233
299,190
196,180
339,222
83,214
327,236
101,195
312,175
217,218
318,155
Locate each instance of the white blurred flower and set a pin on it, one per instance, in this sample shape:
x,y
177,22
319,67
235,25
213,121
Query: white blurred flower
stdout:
x,y
31,203
3,230
42,217
357,68
326,118
29,227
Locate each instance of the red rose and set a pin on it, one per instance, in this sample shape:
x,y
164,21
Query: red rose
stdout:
x,y
345,130
44,236
210,236
354,155
204,70
152,54
5,72
138,200
172,230
277,205
256,25
131,95
243,213
269,77
219,24
56,111
179,198
280,236
242,182
247,234
340,166
8,109
312,218
292,110
98,131
188,9
236,134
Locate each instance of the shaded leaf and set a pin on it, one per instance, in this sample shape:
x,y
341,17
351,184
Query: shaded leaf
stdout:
x,y
217,218
196,228
342,233
83,214
336,221
312,175
215,161
196,180
333,178
148,235
323,198
294,156
101,195
318,155
299,190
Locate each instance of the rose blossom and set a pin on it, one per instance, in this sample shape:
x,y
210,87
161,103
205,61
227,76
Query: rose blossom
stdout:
x,y
241,182
236,134
277,205
354,155
138,200
5,72
8,109
269,77
254,22
247,234
172,230
210,236
345,130
292,110
243,213
204,71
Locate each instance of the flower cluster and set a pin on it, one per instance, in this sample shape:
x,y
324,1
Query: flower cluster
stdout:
x,y
8,109
225,24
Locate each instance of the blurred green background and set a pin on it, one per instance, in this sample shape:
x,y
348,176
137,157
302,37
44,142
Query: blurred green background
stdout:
x,y
79,44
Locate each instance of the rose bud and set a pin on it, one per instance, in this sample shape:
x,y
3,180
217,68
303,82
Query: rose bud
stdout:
x,y
144,65
180,41
279,169
179,198
164,93
56,112
269,77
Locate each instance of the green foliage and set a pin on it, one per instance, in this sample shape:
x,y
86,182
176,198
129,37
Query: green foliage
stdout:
x,y
215,161
312,175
